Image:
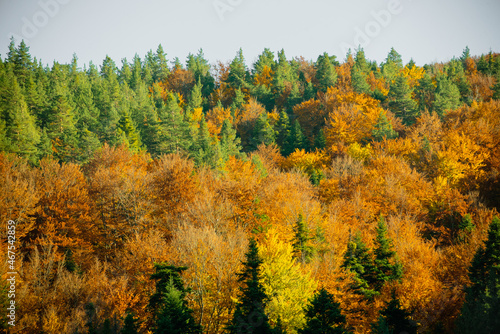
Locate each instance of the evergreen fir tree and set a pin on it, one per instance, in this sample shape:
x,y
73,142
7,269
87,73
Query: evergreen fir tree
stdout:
x,y
359,260
394,320
424,93
401,102
203,151
295,140
387,268
323,316
326,75
130,324
303,250
249,316
480,311
160,65
358,81
383,129
175,133
393,64
263,132
447,96
168,303
320,140
128,132
230,144
282,130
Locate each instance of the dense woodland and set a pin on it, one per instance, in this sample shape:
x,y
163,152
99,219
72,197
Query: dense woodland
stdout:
x,y
295,196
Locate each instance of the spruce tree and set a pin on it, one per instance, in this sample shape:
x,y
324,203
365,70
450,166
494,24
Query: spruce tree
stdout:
x,y
326,75
303,249
394,320
282,130
401,102
447,96
249,316
387,267
480,312
383,129
358,260
230,144
323,316
263,132
358,81
295,140
130,324
203,151
175,133
168,303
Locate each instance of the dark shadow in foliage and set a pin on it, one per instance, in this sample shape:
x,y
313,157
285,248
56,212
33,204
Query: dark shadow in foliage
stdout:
x,y
323,316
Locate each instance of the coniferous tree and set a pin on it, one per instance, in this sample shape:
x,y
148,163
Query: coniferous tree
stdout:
x,y
230,144
326,75
303,250
282,130
130,324
203,151
383,129
168,303
175,133
447,96
249,316
320,140
359,261
401,102
358,81
394,320
387,268
480,311
160,68
295,140
263,132
323,316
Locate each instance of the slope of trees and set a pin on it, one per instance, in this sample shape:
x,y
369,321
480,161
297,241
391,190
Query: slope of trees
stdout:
x,y
293,196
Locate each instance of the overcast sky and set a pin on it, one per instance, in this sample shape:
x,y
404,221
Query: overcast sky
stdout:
x,y
425,30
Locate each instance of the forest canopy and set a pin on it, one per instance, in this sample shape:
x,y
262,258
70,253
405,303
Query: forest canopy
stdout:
x,y
316,196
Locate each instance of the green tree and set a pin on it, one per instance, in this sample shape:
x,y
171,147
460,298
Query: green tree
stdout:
x,y
295,140
383,129
394,320
160,68
128,133
282,130
203,151
175,132
249,315
302,247
359,260
447,95
358,81
401,102
230,144
482,302
130,324
326,75
263,132
168,303
323,316
387,267
392,66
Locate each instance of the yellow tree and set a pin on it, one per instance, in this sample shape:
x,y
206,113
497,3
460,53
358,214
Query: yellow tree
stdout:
x,y
284,281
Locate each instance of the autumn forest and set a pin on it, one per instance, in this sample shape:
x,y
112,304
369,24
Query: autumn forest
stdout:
x,y
290,196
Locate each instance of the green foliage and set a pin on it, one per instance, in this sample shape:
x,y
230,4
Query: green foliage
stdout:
x,y
326,75
383,129
358,81
387,267
401,102
447,96
130,324
263,132
295,140
302,248
230,144
204,151
168,303
394,319
249,315
323,316
480,310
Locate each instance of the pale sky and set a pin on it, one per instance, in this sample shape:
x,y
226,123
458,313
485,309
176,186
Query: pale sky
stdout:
x,y
424,30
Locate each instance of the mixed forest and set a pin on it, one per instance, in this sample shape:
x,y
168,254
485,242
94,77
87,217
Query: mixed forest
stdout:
x,y
291,196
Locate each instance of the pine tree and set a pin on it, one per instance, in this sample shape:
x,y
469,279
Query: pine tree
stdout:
x,y
383,129
128,133
295,140
394,320
447,96
359,261
393,64
282,130
168,303
303,250
496,88
160,66
326,75
130,324
249,316
482,302
387,268
230,144
263,132
323,316
320,140
424,93
203,152
175,133
401,102
358,81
